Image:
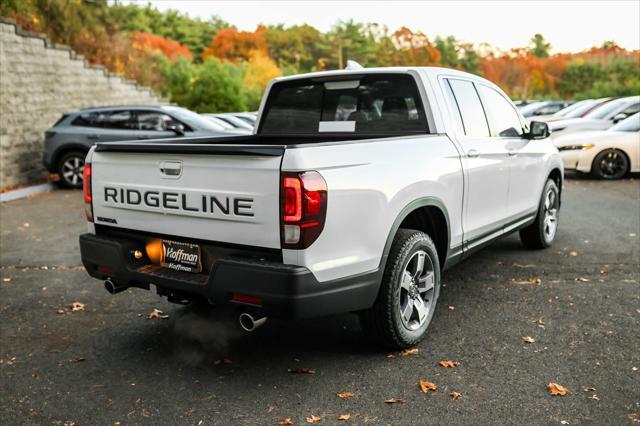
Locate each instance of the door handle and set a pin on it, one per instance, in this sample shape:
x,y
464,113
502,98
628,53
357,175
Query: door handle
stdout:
x,y
473,153
512,153
93,137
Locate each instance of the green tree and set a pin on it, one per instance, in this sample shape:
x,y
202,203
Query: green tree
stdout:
x,y
213,86
448,48
539,46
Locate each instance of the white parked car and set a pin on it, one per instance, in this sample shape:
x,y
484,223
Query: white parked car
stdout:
x,y
607,154
355,190
600,118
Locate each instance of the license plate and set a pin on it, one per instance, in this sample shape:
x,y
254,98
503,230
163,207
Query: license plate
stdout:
x,y
179,256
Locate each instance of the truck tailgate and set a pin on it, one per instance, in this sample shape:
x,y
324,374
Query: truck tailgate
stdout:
x,y
226,195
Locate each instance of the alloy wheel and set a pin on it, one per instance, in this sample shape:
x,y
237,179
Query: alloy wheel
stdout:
x,y
550,215
72,170
417,290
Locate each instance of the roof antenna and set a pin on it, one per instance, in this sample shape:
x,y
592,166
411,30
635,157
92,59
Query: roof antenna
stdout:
x,y
353,65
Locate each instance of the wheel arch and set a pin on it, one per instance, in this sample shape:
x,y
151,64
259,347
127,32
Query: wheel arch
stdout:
x,y
429,215
65,149
556,175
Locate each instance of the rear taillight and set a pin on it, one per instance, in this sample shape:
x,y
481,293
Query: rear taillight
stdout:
x,y
86,189
303,210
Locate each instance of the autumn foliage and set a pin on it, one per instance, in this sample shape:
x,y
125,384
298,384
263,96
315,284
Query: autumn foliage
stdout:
x,y
176,54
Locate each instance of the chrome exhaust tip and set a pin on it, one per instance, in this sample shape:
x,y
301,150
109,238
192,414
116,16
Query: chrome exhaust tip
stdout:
x,y
249,323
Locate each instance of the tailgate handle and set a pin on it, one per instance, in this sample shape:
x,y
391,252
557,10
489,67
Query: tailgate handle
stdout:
x,y
171,168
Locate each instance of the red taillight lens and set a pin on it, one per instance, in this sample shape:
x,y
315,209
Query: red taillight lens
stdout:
x,y
292,199
86,189
304,207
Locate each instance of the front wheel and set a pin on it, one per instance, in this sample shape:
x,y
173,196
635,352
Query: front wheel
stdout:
x,y
541,233
408,292
610,164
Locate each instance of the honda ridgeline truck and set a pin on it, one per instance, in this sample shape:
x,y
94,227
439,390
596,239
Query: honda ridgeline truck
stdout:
x,y
356,190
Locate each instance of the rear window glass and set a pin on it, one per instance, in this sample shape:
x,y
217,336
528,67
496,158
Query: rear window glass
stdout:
x,y
369,105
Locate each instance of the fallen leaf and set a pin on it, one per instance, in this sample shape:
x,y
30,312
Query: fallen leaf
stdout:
x,y
573,253
528,339
426,386
312,419
227,361
455,395
449,364
6,280
451,307
344,395
156,313
391,356
344,417
394,401
532,281
517,265
286,421
586,389
557,390
604,270
301,370
409,352
594,397
60,312
26,225
564,422
634,417
270,408
77,306
582,280
78,359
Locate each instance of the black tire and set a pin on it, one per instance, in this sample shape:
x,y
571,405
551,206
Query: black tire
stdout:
x,y
610,164
536,236
73,180
383,322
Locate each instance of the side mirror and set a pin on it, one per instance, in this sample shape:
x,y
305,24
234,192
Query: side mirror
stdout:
x,y
178,129
538,130
619,117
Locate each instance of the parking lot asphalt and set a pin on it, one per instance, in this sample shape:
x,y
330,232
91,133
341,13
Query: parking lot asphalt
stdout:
x,y
579,302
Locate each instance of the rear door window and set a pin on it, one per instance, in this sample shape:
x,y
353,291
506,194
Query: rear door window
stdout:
x,y
381,104
473,117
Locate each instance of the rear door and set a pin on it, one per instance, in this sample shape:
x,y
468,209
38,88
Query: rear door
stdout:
x,y
219,193
486,164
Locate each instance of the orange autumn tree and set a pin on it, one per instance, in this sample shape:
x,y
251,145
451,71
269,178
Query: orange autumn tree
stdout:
x,y
414,48
154,43
236,46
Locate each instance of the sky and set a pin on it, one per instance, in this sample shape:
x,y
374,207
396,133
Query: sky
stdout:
x,y
570,26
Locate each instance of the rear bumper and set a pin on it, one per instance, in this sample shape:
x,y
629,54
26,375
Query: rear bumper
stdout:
x,y
286,291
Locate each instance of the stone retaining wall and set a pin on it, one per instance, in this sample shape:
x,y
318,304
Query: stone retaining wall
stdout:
x,y
39,81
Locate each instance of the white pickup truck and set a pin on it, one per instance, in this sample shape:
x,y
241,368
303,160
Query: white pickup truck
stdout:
x,y
357,188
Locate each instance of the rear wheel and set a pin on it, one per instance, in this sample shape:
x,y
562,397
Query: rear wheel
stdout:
x,y
70,169
541,233
610,164
408,292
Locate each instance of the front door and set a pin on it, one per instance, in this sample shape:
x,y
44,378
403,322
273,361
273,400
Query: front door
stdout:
x,y
486,162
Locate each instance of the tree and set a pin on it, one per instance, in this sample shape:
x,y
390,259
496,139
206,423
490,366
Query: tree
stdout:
x,y
236,46
539,46
448,48
415,48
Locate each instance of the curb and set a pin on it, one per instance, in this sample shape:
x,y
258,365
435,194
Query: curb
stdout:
x,y
25,192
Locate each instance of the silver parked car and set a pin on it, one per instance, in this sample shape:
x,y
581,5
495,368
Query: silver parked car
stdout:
x,y
68,141
600,118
